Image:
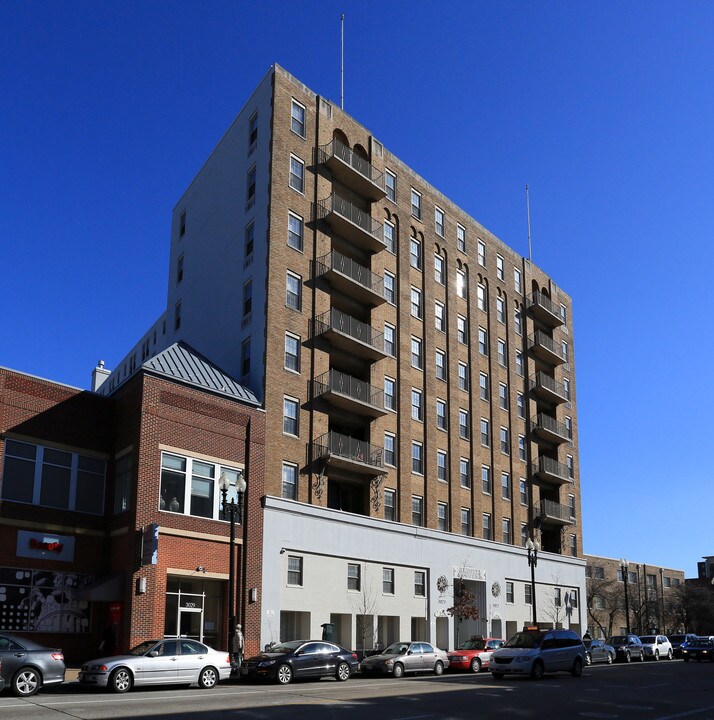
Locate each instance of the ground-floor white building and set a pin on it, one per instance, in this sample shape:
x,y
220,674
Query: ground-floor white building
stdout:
x,y
377,581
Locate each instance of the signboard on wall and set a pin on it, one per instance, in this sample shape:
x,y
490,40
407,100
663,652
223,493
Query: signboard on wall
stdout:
x,y
150,544
45,546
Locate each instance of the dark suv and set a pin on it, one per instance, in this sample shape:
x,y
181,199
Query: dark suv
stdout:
x,y
678,640
627,647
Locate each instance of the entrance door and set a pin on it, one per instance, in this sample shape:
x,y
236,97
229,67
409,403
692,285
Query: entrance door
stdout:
x,y
191,623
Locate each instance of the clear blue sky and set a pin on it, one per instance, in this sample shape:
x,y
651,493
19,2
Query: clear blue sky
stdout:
x,y
605,109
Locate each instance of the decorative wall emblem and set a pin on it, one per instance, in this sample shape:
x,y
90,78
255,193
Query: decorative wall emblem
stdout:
x,y
442,583
495,589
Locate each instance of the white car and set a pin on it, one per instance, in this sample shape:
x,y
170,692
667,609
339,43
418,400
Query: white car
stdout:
x,y
656,647
159,662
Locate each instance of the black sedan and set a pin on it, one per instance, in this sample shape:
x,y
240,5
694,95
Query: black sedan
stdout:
x,y
301,659
599,651
701,649
27,666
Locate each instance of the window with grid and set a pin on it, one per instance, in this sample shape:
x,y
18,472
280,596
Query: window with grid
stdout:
x,y
416,204
569,463
390,398
482,341
486,479
521,447
481,252
415,253
461,284
417,460
485,434
463,376
439,316
517,280
569,428
566,388
501,344
416,304
389,291
505,444
354,577
292,352
483,385
390,512
440,365
289,481
390,346
462,333
520,405
297,118
439,221
465,521
441,466
419,583
501,310
461,238
507,530
503,395
388,581
505,486
500,273
417,410
523,490
518,321
417,511
390,455
442,517
464,424
509,592
481,297
441,414
290,416
486,526
520,369
528,594
389,241
293,291
294,570
417,361
390,185
439,269
464,473
297,174
295,231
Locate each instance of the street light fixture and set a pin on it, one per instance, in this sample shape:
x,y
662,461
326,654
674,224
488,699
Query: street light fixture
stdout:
x,y
533,546
234,510
624,565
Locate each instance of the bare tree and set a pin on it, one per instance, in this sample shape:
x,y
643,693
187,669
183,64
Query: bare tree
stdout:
x,y
605,601
464,607
364,605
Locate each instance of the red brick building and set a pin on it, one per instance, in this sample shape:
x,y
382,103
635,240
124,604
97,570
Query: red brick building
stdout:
x,y
88,481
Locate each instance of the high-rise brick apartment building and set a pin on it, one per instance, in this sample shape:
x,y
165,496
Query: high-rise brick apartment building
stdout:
x,y
417,376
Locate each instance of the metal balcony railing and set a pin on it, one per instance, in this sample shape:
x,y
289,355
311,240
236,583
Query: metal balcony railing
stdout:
x,y
345,324
345,209
551,425
359,390
543,307
347,266
339,150
555,511
541,380
548,466
540,339
349,448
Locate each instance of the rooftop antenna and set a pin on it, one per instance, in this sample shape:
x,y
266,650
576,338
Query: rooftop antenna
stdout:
x,y
528,210
342,61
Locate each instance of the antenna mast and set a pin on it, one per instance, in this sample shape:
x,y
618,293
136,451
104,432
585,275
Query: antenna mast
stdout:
x,y
528,210
342,61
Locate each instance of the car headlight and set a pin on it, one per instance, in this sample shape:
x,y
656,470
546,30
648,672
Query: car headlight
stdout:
x,y
266,663
388,663
457,658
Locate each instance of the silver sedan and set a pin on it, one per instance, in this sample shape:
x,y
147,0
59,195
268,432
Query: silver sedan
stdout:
x,y
159,662
405,657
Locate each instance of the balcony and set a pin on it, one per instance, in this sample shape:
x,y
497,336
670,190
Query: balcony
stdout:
x,y
548,388
351,278
545,348
549,470
548,429
349,334
554,513
351,223
349,393
352,170
348,453
544,309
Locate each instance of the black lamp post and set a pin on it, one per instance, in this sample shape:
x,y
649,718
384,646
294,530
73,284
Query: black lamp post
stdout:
x,y
533,546
233,510
624,565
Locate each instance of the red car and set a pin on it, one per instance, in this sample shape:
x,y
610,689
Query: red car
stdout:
x,y
474,654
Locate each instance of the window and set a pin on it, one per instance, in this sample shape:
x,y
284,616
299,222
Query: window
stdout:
x,y
389,293
390,346
293,291
416,303
441,469
464,473
486,479
417,514
501,345
520,405
177,316
245,357
416,204
252,131
415,253
564,346
501,310
441,414
388,581
463,376
247,298
482,341
461,238
528,594
290,474
354,577
417,411
182,224
521,447
481,299
505,445
563,313
573,552
517,283
179,269
390,512
485,434
486,526
294,570
292,352
439,269
499,268
53,478
297,118
389,239
599,602
440,316
440,365
417,360
524,534
481,250
520,369
465,521
506,530
569,428
439,221
566,388
462,333
461,284
290,416
390,185
523,490
250,188
419,583
667,581
390,400
122,484
509,591
295,231
390,455
442,516
503,395
297,174
463,424
505,486
249,239
571,506
518,321
483,385
557,599
571,469
417,460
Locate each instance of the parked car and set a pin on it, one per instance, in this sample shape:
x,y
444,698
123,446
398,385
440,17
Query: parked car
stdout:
x,y
699,649
656,647
474,654
534,652
405,657
627,647
301,659
598,651
159,662
679,640
28,666
2,679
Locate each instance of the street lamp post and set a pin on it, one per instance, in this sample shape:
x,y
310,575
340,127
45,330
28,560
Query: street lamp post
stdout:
x,y
233,510
624,565
533,547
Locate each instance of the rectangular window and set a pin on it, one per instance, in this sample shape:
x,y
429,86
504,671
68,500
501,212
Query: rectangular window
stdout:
x,y
571,469
441,414
390,185
122,484
485,434
499,268
523,490
442,517
417,359
464,473
292,352
520,368
486,526
503,395
182,224
481,298
521,447
297,174
247,298
461,284
507,530
390,508
564,346
571,506
501,345
290,475
528,594
557,599
390,346
294,570
563,313
417,459
245,357
524,534
419,583
462,333
388,581
461,238
463,376
290,416
415,253
501,310
569,427
389,240
465,521
481,250
417,409
566,388
574,545
250,188
518,321
505,443
249,239
177,316
416,304
179,269
483,386
296,230
390,399
517,282
440,365
297,118
439,269
485,479
293,291
390,454
439,221
441,468
389,291
509,592
464,424
354,577
440,316
482,341
417,511
505,486
416,204
520,405
252,132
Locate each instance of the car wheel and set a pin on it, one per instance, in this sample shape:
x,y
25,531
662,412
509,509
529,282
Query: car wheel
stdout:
x,y
120,681
588,659
208,678
343,671
398,670
284,674
609,658
656,656
497,676
669,655
628,657
476,665
537,670
439,668
577,669
26,682
642,656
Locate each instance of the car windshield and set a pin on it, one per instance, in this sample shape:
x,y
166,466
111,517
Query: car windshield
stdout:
x,y
525,640
398,648
617,640
143,648
472,645
648,638
286,647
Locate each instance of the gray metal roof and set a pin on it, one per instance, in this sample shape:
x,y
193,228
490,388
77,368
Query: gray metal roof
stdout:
x,y
181,362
